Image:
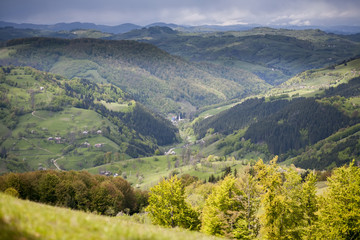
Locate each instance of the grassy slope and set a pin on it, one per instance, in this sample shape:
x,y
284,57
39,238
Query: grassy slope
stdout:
x,y
309,83
305,84
152,169
36,150
21,219
28,139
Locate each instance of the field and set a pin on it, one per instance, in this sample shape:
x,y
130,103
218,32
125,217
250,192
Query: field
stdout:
x,y
21,219
31,142
146,172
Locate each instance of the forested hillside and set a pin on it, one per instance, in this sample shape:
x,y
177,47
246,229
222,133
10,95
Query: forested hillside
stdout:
x,y
153,77
274,55
293,126
46,118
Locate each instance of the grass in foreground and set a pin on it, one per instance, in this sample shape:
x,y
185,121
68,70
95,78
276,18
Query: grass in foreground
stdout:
x,y
21,219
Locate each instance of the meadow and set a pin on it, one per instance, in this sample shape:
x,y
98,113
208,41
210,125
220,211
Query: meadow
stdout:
x,y
21,219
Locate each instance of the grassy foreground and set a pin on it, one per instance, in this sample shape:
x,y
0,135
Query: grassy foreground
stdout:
x,y
21,219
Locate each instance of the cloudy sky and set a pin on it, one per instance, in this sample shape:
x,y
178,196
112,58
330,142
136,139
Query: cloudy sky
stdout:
x,y
187,12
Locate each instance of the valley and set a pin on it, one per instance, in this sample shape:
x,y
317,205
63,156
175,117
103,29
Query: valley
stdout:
x,y
196,129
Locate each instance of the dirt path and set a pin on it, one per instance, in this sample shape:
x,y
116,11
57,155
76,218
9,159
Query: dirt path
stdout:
x,y
52,160
33,113
37,146
56,165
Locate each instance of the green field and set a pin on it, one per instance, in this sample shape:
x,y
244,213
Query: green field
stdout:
x,y
146,172
30,139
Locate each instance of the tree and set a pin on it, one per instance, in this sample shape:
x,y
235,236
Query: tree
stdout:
x,y
281,201
225,211
47,187
167,206
309,206
340,212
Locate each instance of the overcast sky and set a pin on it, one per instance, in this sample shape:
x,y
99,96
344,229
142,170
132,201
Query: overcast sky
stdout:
x,y
187,12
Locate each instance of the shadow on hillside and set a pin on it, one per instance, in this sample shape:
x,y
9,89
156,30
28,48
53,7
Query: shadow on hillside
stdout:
x,y
12,232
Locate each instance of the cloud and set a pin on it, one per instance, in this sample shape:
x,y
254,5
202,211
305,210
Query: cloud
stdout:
x,y
190,12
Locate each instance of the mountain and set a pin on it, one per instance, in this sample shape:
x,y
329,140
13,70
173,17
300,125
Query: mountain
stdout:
x,y
126,27
161,81
47,119
74,25
274,55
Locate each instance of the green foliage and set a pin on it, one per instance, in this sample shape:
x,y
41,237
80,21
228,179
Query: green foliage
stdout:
x,y
12,192
76,190
340,207
334,151
289,204
228,211
167,205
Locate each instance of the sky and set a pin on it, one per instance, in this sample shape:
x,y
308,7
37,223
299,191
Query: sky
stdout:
x,y
184,12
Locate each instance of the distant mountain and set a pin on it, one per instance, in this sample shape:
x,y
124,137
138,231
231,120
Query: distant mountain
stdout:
x,y
75,25
153,77
122,28
274,55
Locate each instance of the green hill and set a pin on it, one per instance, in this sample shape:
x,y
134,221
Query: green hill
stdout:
x,y
274,55
290,128
152,76
20,219
48,119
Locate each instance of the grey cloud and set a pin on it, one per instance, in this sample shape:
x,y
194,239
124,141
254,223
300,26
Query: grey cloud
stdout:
x,y
190,12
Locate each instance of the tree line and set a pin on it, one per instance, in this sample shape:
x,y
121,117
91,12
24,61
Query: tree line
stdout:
x,y
76,190
268,201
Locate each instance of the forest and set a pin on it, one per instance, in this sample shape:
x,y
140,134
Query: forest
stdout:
x,y
289,127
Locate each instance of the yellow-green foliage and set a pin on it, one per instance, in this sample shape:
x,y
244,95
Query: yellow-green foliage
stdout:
x,y
21,219
167,206
289,205
230,209
340,214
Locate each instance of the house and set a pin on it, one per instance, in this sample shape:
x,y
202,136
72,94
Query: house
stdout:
x,y
98,145
85,144
50,138
99,132
85,132
41,88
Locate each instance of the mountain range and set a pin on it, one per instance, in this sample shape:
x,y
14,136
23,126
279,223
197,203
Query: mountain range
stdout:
x,y
126,27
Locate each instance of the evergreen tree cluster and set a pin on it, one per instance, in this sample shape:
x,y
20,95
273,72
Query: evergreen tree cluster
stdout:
x,y
301,123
